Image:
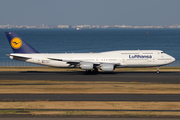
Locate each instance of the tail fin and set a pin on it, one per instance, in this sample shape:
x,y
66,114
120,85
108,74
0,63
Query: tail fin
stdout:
x,y
18,45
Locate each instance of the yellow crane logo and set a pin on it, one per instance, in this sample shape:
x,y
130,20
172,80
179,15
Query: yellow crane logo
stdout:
x,y
16,43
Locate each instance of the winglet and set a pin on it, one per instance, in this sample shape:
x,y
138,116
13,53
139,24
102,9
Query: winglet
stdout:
x,y
18,45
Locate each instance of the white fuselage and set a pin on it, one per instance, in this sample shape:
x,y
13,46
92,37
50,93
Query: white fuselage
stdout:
x,y
122,58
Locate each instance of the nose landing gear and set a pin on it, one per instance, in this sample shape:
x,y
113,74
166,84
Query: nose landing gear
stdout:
x,y
158,70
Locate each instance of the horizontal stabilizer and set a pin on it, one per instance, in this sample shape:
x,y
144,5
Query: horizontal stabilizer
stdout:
x,y
21,58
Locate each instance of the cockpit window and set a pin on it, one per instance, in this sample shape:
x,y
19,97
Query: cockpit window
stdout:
x,y
162,52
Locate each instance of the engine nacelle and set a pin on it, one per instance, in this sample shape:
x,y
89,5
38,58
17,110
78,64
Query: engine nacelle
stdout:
x,y
86,66
107,67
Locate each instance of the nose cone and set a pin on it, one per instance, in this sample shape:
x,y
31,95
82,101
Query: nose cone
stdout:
x,y
173,59
168,59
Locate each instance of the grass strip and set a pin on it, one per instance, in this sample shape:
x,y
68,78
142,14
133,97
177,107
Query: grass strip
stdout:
x,y
128,113
24,106
86,87
104,105
125,113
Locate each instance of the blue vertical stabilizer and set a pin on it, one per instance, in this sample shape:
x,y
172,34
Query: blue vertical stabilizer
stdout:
x,y
18,45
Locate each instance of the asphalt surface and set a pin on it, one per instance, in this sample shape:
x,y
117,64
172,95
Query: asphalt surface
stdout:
x,y
163,77
90,97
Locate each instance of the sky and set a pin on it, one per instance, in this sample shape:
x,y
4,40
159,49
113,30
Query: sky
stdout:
x,y
90,12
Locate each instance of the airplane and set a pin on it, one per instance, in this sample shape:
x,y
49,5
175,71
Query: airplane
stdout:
x,y
105,61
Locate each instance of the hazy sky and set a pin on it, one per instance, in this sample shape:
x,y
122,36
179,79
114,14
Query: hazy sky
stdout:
x,y
91,12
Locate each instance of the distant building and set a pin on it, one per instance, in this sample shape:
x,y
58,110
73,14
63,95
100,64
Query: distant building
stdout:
x,y
86,26
63,26
8,26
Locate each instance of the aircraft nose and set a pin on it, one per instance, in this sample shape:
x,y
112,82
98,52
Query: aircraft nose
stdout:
x,y
173,59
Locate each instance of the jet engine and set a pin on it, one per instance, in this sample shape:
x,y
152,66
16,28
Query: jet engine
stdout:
x,y
107,67
86,66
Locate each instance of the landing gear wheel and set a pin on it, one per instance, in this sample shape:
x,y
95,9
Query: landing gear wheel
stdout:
x,y
158,70
88,71
95,70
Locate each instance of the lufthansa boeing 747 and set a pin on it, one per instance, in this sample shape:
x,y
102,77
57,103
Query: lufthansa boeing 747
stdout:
x,y
105,61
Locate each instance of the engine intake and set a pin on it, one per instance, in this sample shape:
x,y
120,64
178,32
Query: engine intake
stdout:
x,y
107,67
86,66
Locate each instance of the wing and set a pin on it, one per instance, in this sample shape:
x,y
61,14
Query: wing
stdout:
x,y
75,62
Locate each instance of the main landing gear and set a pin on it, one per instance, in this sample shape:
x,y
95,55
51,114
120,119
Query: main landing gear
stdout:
x,y
94,71
158,70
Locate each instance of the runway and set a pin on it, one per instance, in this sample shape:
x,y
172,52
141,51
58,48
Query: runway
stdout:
x,y
163,77
91,97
